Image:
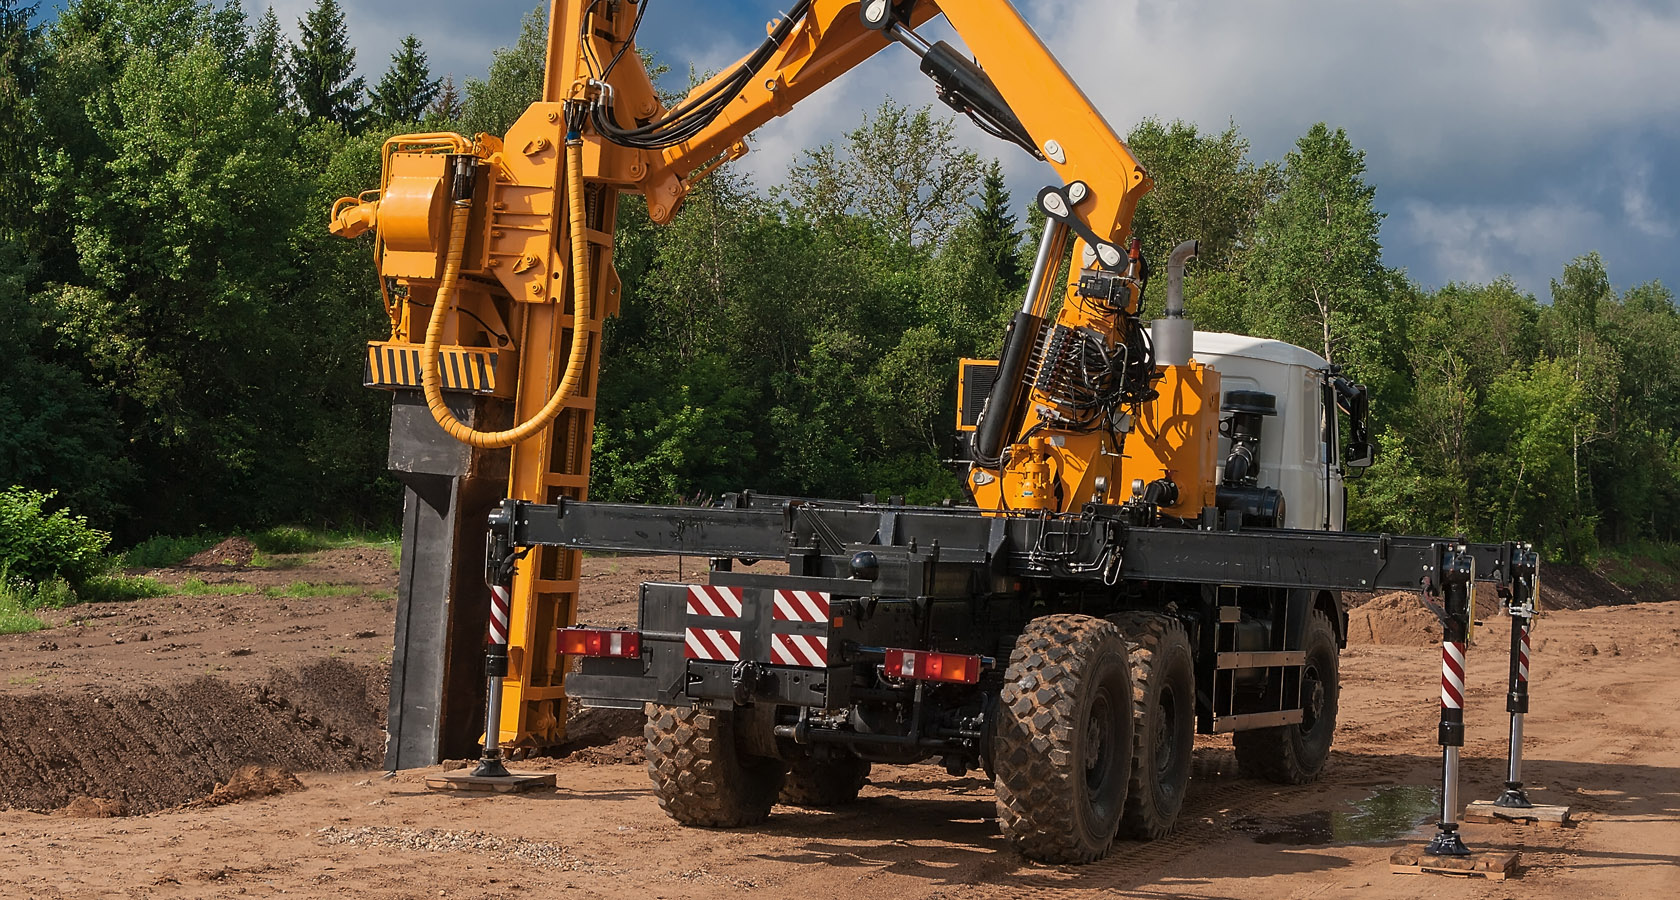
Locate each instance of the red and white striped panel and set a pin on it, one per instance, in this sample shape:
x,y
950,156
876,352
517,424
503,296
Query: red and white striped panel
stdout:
x,y
801,606
501,603
1522,656
712,643
1452,675
705,600
808,650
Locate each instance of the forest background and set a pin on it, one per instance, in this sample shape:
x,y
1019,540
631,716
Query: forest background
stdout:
x,y
181,340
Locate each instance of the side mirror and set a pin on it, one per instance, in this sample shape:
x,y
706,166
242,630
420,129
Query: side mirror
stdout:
x,y
1360,455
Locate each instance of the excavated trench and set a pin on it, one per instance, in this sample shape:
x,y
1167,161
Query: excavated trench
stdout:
x,y
139,750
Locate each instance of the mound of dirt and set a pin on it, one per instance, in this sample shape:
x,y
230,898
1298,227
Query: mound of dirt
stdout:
x,y
1395,619
158,747
235,551
93,808
249,783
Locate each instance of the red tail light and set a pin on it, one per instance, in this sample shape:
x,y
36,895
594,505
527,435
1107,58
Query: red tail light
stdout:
x,y
600,642
926,665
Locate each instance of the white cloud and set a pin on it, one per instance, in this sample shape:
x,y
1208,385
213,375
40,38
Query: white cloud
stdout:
x,y
1480,242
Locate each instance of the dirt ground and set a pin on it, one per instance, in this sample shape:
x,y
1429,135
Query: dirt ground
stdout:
x,y
222,745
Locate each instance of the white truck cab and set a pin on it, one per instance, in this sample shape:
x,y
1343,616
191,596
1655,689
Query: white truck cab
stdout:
x,y
1299,445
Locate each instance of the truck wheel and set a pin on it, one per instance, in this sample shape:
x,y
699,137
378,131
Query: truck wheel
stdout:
x,y
1063,743
1296,754
1164,722
699,775
824,782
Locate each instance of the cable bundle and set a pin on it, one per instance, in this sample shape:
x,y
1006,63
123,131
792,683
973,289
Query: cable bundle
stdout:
x,y
694,115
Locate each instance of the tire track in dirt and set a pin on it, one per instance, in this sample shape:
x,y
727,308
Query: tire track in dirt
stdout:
x,y
1215,791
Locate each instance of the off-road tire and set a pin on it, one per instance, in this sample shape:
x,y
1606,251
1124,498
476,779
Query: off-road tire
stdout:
x,y
824,782
1296,754
1163,722
1062,749
699,775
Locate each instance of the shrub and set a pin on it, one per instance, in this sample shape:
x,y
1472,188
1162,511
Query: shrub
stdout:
x,y
38,547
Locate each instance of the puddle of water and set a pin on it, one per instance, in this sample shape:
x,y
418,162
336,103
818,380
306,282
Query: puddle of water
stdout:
x,y
1387,814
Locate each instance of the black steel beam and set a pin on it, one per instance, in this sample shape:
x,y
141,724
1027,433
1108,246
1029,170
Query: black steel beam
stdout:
x,y
1066,547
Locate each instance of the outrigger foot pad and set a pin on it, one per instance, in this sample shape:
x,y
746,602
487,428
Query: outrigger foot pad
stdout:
x,y
1447,843
1514,797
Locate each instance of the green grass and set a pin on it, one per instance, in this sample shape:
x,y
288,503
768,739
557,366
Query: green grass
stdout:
x,y
14,618
196,587
301,589
121,589
19,600
262,560
291,539
163,551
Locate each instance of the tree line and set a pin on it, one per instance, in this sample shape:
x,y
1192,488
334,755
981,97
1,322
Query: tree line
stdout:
x,y
184,339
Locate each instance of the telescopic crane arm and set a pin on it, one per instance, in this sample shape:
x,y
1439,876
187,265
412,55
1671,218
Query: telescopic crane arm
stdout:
x,y
496,256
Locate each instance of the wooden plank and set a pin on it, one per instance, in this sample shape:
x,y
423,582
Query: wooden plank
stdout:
x,y
1485,812
513,784
1492,864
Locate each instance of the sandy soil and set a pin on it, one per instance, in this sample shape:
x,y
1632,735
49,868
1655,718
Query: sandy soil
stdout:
x,y
156,709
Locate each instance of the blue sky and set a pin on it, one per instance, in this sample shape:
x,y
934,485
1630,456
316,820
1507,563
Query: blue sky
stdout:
x,y
1504,136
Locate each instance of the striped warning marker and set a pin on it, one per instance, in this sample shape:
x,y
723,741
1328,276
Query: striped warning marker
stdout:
x,y
801,606
721,602
1522,656
807,650
500,604
1452,675
712,643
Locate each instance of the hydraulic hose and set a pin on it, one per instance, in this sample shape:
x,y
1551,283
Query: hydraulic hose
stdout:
x,y
431,378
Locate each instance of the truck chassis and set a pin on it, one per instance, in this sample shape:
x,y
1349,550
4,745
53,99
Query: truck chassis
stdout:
x,y
905,633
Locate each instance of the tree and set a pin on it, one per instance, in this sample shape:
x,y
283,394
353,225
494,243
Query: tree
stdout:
x,y
1315,274
407,88
1206,189
1571,328
999,241
515,80
20,62
323,68
446,104
265,60
901,169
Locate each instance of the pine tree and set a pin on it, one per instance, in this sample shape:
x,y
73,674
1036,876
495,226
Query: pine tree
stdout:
x,y
407,88
446,105
998,236
265,60
324,68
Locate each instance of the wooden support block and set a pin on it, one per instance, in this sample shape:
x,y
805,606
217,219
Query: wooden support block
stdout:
x,y
1494,864
1484,812
513,784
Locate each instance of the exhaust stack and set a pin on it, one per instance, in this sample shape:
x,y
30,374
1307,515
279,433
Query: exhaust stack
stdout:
x,y
1173,335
